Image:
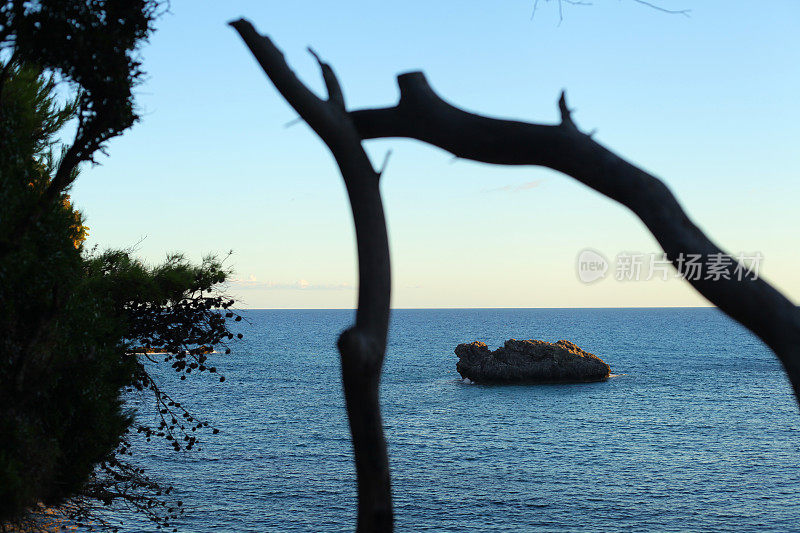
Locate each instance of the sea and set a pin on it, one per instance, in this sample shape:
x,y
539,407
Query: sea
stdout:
x,y
696,430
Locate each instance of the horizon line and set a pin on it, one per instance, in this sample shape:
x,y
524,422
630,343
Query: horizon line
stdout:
x,y
477,308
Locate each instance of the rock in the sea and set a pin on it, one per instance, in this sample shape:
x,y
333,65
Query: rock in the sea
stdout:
x,y
529,362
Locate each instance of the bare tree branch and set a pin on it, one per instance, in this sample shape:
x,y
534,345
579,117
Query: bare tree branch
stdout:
x,y
363,346
335,95
421,114
385,163
684,12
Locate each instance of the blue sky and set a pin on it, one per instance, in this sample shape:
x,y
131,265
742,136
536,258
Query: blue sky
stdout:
x,y
707,103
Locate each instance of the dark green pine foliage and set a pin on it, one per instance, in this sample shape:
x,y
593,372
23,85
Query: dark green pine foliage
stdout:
x,y
60,369
76,328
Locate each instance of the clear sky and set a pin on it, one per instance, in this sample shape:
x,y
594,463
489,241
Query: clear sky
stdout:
x,y
708,103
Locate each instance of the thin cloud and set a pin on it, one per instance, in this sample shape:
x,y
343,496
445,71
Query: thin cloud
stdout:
x,y
518,188
299,285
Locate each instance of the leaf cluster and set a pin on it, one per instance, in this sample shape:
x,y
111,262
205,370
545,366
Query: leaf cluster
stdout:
x,y
78,329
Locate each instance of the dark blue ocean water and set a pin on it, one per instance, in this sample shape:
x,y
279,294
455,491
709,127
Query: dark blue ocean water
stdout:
x,y
698,432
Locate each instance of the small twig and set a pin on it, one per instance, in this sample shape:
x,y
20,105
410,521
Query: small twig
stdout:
x,y
385,162
560,9
684,12
335,95
566,112
293,122
535,7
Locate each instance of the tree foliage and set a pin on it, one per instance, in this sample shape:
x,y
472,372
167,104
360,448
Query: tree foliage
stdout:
x,y
59,369
79,328
92,46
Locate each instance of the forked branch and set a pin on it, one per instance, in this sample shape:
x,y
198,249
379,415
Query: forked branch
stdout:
x,y
363,346
421,114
